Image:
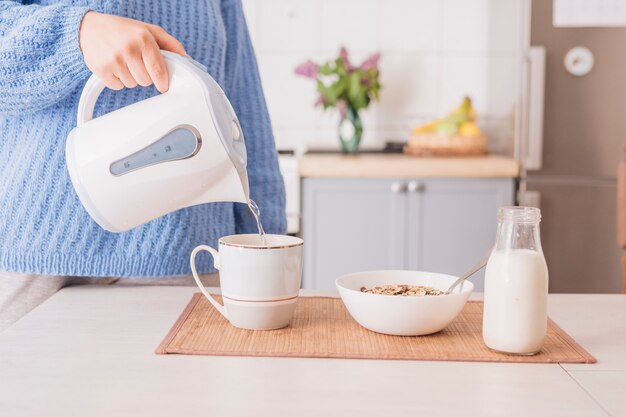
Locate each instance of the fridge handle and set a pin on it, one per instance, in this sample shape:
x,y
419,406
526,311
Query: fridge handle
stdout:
x,y
621,204
532,149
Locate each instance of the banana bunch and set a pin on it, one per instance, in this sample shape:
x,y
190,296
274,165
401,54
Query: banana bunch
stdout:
x,y
461,120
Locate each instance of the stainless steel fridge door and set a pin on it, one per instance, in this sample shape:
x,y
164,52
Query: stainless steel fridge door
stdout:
x,y
584,120
578,234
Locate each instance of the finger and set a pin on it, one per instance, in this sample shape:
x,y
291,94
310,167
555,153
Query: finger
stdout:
x,y
155,65
125,77
166,41
112,82
138,70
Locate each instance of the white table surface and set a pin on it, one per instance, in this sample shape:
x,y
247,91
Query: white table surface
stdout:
x,y
89,352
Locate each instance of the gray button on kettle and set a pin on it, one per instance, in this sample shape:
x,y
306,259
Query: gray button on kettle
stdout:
x,y
180,143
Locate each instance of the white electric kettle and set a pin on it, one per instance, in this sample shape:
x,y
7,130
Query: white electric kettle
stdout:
x,y
174,150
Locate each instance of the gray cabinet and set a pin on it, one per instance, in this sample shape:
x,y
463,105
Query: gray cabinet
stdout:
x,y
439,225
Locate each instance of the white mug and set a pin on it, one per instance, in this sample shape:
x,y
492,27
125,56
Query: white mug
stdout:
x,y
260,283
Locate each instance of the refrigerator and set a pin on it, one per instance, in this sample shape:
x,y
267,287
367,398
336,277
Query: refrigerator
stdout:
x,y
572,161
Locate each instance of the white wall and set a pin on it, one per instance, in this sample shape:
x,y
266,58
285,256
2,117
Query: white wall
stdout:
x,y
433,53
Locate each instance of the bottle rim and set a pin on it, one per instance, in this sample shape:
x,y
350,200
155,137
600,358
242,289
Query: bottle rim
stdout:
x,y
519,214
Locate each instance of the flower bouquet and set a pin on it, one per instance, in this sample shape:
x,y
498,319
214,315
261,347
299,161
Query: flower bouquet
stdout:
x,y
347,87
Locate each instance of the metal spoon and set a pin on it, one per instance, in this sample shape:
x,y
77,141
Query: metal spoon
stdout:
x,y
479,265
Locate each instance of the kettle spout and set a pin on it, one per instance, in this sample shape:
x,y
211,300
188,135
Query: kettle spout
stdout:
x,y
231,186
243,178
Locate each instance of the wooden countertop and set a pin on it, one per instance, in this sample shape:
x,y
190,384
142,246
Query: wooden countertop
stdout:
x,y
89,351
402,166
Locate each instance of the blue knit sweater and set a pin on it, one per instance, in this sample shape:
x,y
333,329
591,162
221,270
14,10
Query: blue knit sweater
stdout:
x,y
43,227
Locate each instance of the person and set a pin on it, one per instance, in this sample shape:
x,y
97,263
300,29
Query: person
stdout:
x,y
47,51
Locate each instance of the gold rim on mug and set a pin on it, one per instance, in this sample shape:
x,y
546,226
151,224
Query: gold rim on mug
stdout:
x,y
221,242
260,301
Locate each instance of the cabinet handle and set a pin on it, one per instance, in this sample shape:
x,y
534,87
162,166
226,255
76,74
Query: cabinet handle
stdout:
x,y
398,187
415,187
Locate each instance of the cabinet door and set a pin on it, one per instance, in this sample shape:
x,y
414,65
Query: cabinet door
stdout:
x,y
351,225
451,223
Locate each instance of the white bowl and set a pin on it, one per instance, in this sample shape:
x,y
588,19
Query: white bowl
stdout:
x,y
402,316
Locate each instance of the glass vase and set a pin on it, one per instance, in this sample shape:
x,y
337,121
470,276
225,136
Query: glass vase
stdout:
x,y
350,131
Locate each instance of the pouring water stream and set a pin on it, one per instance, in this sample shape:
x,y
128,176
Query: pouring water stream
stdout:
x,y
256,212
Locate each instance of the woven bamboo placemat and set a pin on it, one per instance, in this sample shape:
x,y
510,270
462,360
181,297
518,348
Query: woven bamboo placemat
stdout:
x,y
323,328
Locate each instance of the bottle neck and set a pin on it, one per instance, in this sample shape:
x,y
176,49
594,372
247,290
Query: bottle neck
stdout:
x,y
518,236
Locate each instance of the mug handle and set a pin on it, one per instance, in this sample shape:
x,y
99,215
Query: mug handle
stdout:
x,y
216,263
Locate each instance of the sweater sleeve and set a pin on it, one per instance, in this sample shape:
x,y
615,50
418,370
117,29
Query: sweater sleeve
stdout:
x,y
243,88
40,57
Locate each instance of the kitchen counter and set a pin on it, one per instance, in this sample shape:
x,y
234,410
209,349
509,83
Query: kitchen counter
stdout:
x,y
403,166
89,351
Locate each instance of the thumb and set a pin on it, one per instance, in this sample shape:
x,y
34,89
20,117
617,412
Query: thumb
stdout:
x,y
166,41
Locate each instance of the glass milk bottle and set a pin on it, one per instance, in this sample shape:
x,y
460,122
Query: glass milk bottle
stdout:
x,y
516,285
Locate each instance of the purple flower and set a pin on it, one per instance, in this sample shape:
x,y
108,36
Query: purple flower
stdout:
x,y
319,101
343,54
371,62
307,69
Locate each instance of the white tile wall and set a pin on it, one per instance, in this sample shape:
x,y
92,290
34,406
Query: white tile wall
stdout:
x,y
465,75
353,23
288,26
289,98
413,84
466,25
503,75
411,25
434,52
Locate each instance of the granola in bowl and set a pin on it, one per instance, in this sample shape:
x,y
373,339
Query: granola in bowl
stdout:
x,y
403,290
402,302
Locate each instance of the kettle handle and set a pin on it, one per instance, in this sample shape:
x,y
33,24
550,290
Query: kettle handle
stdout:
x,y
92,90
94,87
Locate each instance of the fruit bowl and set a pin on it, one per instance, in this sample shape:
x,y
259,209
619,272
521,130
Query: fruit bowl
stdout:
x,y
424,144
457,134
402,315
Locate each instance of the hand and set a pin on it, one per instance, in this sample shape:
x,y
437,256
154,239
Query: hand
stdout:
x,y
125,52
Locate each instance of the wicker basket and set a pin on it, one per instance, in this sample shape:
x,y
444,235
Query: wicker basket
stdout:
x,y
433,144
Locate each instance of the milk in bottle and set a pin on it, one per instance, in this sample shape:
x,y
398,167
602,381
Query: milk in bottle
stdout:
x,y
516,285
